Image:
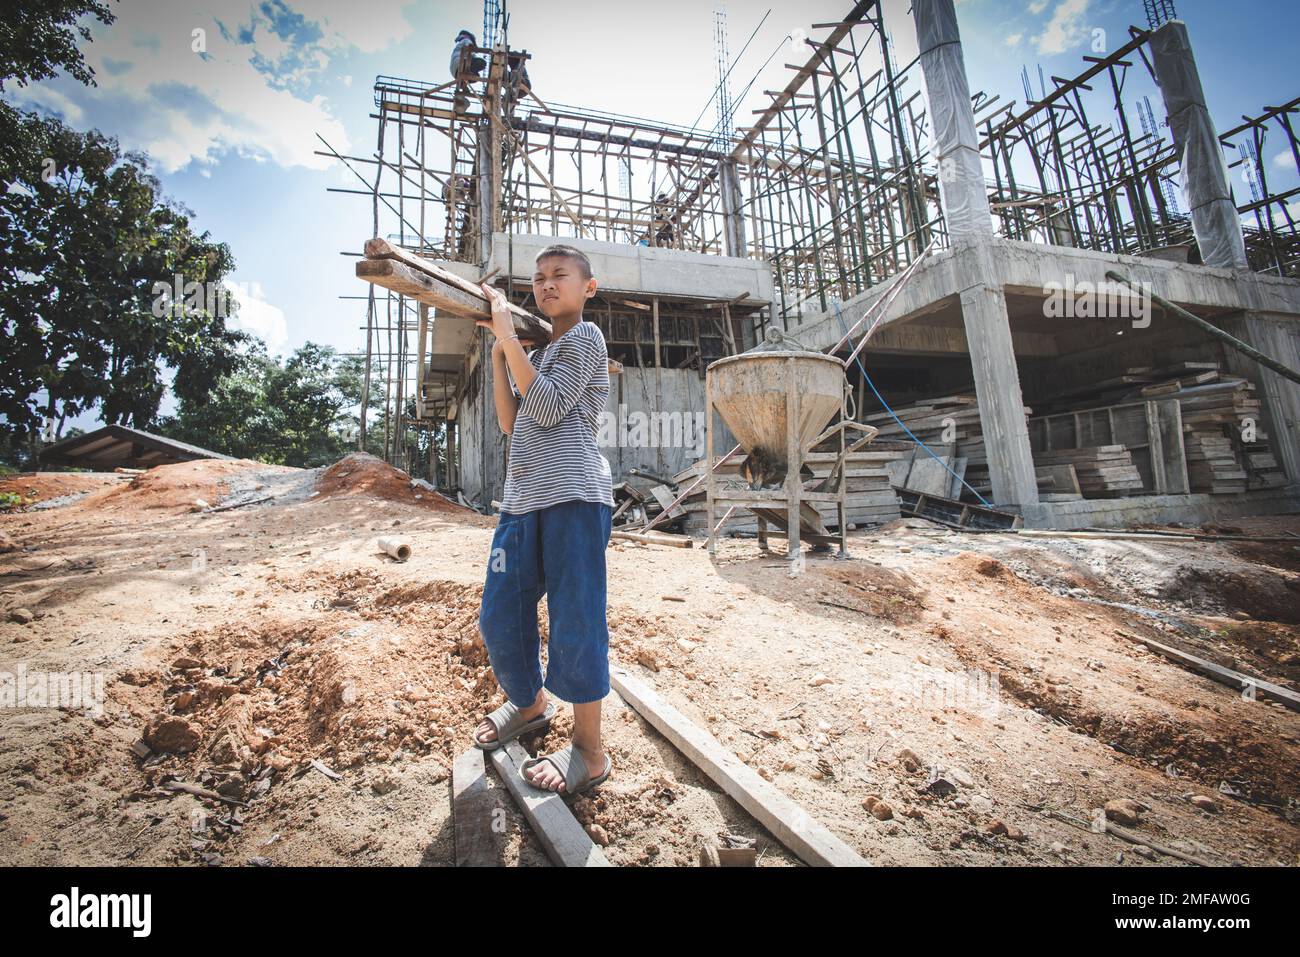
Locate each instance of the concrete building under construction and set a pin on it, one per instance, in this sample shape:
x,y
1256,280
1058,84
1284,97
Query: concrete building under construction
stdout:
x,y
1003,254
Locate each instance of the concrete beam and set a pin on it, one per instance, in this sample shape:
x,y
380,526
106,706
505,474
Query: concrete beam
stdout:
x,y
643,270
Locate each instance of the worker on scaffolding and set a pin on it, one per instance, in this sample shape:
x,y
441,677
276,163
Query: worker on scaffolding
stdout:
x,y
518,85
463,203
663,223
465,65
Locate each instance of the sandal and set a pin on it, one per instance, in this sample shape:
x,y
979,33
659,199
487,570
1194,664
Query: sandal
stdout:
x,y
511,723
570,763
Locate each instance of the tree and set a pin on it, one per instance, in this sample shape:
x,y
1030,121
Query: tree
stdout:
x,y
91,240
39,37
299,413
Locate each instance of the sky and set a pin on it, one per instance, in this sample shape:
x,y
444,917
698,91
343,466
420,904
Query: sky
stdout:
x,y
229,98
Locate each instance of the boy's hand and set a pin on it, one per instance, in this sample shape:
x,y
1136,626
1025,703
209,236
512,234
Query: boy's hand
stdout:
x,y
502,326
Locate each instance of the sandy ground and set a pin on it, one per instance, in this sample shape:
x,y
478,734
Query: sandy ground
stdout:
x,y
938,698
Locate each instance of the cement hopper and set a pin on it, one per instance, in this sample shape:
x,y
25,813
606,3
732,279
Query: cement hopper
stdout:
x,y
750,392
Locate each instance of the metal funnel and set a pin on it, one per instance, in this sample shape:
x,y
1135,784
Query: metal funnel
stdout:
x,y
749,391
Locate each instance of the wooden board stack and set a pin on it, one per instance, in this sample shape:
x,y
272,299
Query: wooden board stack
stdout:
x,y
869,499
1220,412
950,426
1102,470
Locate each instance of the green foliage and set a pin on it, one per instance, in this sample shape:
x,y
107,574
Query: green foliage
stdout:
x,y
299,412
39,37
89,234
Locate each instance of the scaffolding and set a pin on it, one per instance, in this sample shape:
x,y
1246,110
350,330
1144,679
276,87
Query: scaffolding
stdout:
x,y
833,185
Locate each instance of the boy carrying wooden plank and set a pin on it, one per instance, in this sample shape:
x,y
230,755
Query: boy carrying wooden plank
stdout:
x,y
555,523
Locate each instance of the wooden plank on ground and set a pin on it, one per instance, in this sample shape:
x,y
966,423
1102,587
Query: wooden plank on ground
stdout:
x,y
929,476
565,841
472,809
792,825
1233,679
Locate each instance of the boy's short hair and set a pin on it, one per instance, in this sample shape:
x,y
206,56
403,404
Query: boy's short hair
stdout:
x,y
577,255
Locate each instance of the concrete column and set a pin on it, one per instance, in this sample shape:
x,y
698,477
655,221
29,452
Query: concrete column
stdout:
x,y
970,228
997,387
488,159
1205,176
732,201
956,145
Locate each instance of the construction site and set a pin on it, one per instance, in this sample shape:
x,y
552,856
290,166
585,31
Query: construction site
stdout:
x,y
955,442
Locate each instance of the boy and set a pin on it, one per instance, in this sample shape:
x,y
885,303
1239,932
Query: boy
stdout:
x,y
556,519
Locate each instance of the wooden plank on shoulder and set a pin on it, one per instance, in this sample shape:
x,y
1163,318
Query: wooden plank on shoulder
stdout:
x,y
422,287
789,823
567,844
383,249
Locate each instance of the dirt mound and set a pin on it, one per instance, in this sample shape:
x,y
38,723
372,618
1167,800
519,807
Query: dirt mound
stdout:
x,y
363,474
1262,596
1186,741
41,486
172,487
873,590
346,688
992,568
1274,646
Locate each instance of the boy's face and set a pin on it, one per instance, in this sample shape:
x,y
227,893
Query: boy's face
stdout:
x,y
559,288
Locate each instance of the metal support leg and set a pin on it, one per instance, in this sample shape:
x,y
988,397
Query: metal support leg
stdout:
x,y
793,483
709,513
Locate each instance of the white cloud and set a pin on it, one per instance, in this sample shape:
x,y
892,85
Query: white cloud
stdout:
x,y
1284,160
258,316
1064,29
1013,39
370,26
250,92
1037,6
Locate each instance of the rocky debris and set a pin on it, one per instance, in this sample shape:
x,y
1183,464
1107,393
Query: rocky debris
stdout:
x,y
1124,811
235,739
22,616
940,785
961,777
172,734
1205,803
879,809
910,760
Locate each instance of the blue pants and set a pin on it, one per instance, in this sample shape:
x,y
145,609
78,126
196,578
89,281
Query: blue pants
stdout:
x,y
558,551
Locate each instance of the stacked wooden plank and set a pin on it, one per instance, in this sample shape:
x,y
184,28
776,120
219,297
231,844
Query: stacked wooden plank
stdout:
x,y
950,427
1212,464
1227,449
1101,470
434,285
1220,413
868,498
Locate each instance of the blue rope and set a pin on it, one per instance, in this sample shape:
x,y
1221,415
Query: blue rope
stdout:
x,y
867,379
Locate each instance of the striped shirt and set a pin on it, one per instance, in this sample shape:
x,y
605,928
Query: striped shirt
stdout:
x,y
553,452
